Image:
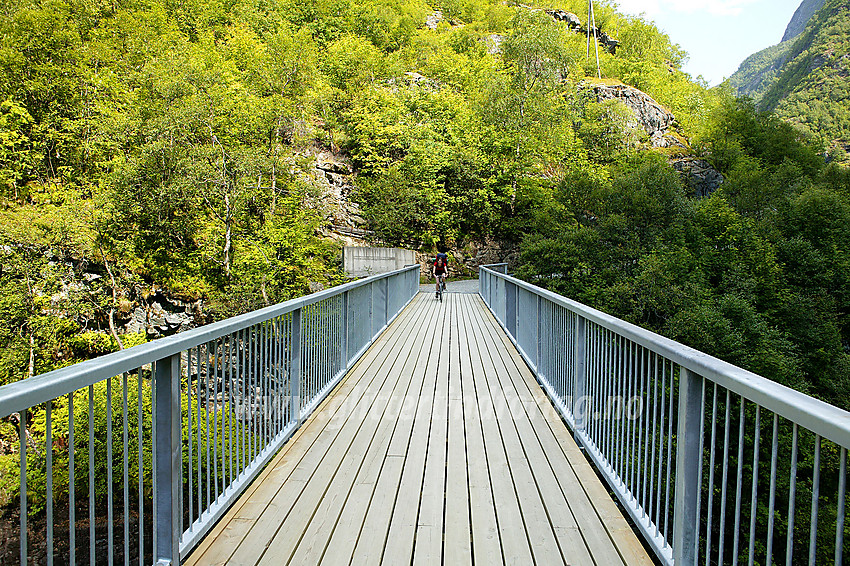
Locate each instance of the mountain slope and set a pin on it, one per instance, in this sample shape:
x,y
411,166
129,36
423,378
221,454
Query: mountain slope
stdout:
x,y
760,71
801,17
805,80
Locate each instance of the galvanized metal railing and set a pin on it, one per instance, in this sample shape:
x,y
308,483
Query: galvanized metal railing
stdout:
x,y
714,464
133,456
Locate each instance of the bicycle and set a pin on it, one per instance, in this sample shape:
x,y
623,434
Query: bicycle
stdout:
x,y
441,287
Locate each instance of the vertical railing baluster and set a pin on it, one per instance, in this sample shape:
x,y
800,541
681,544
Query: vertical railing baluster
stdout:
x,y
754,497
813,529
295,367
125,438
701,452
739,484
154,436
669,453
261,380
207,473
92,534
22,444
792,498
48,449
110,530
630,424
190,422
248,398
72,515
231,407
280,325
709,527
723,492
774,462
652,477
640,476
688,482
242,378
840,509
141,470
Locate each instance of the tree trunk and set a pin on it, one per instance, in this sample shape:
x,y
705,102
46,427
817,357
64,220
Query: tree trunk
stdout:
x,y
114,300
112,329
274,189
228,218
31,370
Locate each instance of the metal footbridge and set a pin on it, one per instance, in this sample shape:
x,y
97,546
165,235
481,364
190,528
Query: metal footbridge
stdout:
x,y
372,424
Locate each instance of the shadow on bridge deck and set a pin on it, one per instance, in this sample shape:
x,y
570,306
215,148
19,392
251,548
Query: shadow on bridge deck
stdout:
x,y
437,447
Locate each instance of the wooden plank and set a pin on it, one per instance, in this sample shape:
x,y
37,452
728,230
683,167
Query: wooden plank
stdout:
x,y
458,542
245,512
339,460
354,483
411,443
580,480
430,474
545,466
512,531
373,544
428,546
294,474
486,543
506,402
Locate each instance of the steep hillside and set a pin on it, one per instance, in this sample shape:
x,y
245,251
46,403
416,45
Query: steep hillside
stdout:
x,y
804,79
801,17
760,71
813,89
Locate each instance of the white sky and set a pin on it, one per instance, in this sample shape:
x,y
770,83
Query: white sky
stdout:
x,y
717,34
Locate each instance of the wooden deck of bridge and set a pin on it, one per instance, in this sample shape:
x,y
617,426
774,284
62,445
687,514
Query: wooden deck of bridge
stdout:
x,y
438,447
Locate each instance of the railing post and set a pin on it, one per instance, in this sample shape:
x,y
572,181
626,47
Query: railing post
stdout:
x,y
386,301
295,368
688,459
372,331
344,330
168,461
580,385
510,309
537,363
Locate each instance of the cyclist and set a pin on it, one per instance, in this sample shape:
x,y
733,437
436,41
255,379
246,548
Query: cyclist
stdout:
x,y
440,269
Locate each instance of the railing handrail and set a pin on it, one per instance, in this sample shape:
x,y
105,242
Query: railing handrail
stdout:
x,y
39,389
826,420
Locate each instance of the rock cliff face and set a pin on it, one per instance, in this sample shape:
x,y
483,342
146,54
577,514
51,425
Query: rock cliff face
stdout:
x,y
332,178
433,20
140,307
698,175
801,17
649,115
